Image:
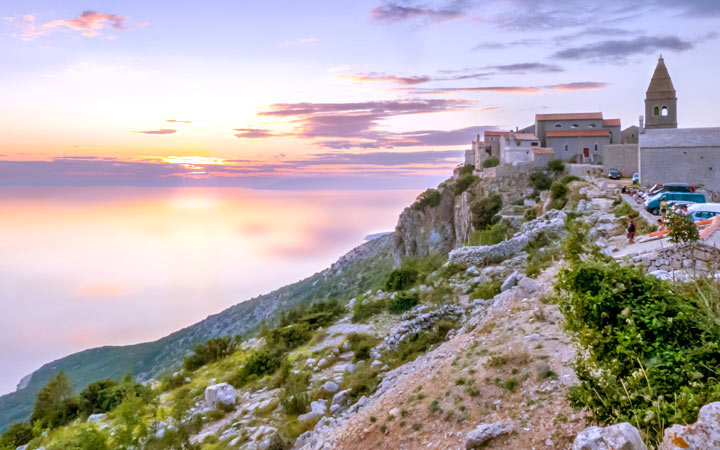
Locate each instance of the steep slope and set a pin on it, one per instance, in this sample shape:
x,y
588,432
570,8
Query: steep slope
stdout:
x,y
361,269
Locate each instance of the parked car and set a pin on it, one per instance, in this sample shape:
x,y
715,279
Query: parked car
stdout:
x,y
614,174
635,178
703,211
668,187
672,198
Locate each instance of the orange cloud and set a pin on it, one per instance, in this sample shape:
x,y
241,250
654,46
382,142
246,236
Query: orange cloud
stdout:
x,y
177,121
386,77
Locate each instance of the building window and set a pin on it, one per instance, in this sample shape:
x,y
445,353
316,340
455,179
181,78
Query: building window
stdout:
x,y
566,147
534,144
596,147
558,125
592,125
656,111
664,111
575,125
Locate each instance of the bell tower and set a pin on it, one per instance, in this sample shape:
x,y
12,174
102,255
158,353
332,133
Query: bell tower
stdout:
x,y
661,99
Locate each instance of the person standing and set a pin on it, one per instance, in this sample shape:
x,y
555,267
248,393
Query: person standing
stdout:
x,y
630,230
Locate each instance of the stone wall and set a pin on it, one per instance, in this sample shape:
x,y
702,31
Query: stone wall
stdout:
x,y
623,157
692,165
584,170
703,259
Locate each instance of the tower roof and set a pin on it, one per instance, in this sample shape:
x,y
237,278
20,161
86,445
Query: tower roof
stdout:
x,y
661,86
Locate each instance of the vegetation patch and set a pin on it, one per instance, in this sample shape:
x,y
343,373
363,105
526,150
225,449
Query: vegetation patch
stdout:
x,y
402,302
430,198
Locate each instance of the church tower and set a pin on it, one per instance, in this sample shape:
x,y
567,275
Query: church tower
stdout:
x,y
661,99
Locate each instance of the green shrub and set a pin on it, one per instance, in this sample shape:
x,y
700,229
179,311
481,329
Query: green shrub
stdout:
x,y
541,181
683,230
649,354
401,279
484,210
487,291
466,169
558,190
293,397
493,235
464,182
211,351
55,405
100,397
361,382
530,213
361,344
83,437
363,309
556,165
172,382
260,363
418,343
430,197
402,302
18,434
567,179
491,162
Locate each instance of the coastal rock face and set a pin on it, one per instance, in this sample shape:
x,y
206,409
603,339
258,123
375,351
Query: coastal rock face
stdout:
x,y
428,231
220,393
621,436
703,434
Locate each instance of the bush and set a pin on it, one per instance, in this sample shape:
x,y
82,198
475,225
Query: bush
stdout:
x,y
487,291
466,169
18,434
464,182
401,279
484,210
363,309
567,179
683,230
649,354
55,405
558,190
84,437
260,363
493,235
530,213
361,344
402,302
100,397
211,351
491,162
419,343
172,382
430,197
556,165
541,181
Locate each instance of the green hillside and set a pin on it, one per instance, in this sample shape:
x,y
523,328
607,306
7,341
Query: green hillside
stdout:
x,y
357,271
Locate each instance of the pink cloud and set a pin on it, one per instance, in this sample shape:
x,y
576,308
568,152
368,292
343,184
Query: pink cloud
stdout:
x,y
89,23
161,131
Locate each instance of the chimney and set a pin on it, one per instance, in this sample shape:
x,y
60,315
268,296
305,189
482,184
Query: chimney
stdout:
x,y
642,125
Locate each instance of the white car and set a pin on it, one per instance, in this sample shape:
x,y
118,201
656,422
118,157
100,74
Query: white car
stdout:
x,y
703,211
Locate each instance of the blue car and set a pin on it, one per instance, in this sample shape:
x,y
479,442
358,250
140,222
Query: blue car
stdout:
x,y
635,178
671,198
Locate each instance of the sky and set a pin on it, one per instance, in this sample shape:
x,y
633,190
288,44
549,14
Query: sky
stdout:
x,y
321,94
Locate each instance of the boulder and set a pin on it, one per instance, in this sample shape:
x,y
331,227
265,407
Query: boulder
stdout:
x,y
220,393
330,387
703,434
528,285
376,365
341,397
94,418
621,436
510,281
485,432
319,407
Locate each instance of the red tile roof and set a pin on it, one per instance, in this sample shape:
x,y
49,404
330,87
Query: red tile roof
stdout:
x,y
569,116
543,150
577,133
497,133
611,122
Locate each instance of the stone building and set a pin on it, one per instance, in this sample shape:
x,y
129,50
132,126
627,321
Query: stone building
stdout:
x,y
668,154
517,147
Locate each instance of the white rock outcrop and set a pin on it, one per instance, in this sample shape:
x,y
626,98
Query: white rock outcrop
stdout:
x,y
220,393
487,431
621,436
703,434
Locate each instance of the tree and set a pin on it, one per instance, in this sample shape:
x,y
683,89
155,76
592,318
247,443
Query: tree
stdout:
x,y
18,434
484,210
54,405
556,165
491,162
683,230
100,397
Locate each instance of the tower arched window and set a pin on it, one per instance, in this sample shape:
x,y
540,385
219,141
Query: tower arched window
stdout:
x,y
596,147
566,147
656,111
664,111
558,125
575,125
592,125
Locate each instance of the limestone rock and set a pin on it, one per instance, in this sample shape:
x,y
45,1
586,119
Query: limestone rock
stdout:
x,y
485,432
510,281
621,436
330,387
220,393
94,418
528,285
341,397
703,434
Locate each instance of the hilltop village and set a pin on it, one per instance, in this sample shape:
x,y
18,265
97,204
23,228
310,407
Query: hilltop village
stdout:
x,y
656,148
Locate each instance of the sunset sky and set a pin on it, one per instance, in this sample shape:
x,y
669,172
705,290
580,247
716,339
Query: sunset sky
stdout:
x,y
321,94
